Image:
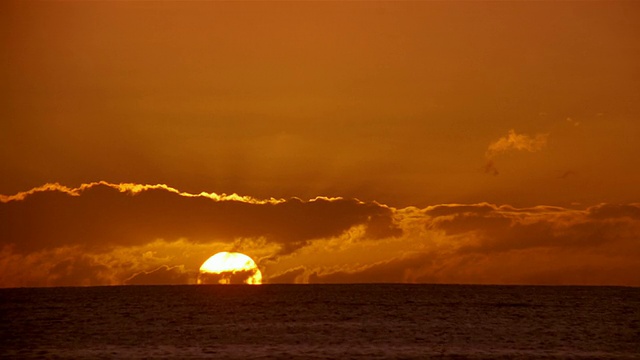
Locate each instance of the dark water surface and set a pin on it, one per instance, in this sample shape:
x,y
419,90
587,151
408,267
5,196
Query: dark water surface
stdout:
x,y
320,321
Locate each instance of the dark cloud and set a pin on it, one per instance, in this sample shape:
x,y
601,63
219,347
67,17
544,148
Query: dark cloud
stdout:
x,y
62,267
104,234
608,211
102,215
77,271
485,243
461,223
489,167
392,271
494,229
227,277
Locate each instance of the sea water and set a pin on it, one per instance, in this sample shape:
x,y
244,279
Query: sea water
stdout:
x,y
320,321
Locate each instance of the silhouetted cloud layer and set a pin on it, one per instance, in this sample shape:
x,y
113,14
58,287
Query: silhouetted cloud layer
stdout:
x,y
97,218
103,215
227,277
486,243
101,233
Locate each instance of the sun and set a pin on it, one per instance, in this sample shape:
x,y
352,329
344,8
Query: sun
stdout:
x,y
229,268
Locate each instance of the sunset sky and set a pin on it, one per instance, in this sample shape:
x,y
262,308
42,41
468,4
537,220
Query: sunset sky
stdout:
x,y
436,142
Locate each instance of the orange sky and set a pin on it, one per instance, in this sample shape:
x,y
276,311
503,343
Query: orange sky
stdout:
x,y
528,112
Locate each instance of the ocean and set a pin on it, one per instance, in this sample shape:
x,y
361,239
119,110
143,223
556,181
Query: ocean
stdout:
x,y
359,321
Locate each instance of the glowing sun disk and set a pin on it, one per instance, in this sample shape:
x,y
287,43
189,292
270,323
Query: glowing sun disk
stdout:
x,y
229,268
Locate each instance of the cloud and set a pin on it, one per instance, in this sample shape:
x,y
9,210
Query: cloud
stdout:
x,y
102,235
108,229
227,277
132,188
291,276
101,215
615,211
164,275
573,122
64,266
77,266
396,270
512,142
489,244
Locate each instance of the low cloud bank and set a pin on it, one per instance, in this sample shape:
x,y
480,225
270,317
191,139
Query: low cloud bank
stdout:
x,y
101,235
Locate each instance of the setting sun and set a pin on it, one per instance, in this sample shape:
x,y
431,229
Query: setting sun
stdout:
x,y
229,268
401,179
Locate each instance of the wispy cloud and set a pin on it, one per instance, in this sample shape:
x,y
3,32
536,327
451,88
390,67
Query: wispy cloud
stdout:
x,y
164,275
512,142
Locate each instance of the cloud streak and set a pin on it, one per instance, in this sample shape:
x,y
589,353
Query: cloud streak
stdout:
x,y
164,275
133,189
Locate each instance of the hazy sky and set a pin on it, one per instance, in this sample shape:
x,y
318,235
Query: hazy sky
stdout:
x,y
511,107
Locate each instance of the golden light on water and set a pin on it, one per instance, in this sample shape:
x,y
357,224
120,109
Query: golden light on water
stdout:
x,y
229,268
